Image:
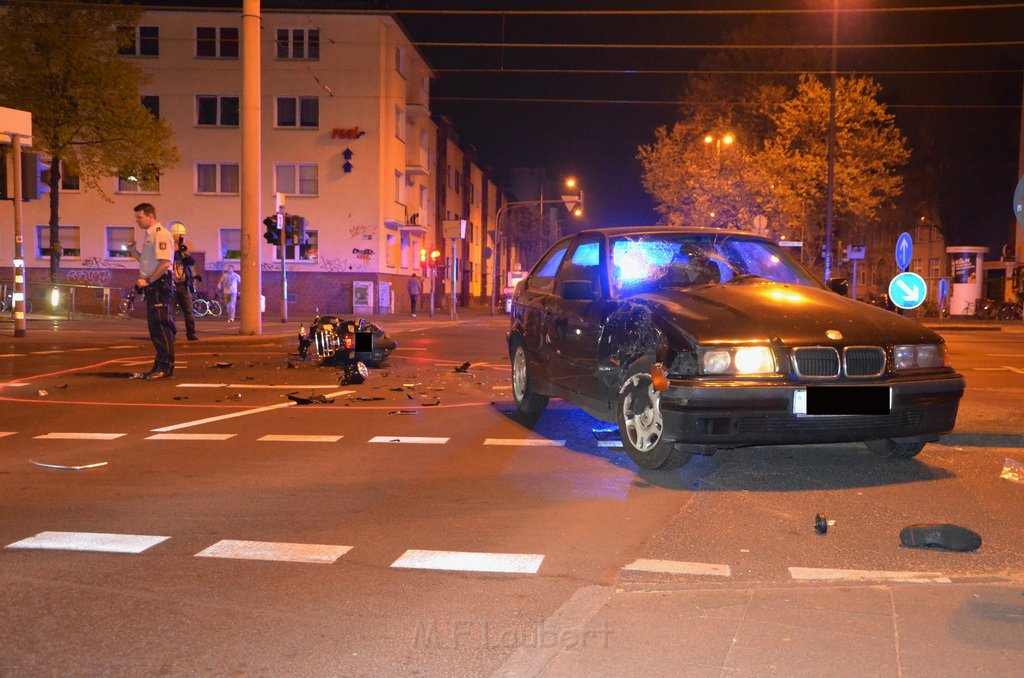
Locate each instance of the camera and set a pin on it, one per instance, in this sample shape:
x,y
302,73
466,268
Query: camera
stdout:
x,y
182,247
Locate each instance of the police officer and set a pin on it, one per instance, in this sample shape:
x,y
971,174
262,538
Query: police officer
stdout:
x,y
157,285
184,285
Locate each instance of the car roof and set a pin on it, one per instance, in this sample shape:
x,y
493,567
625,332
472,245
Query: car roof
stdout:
x,y
617,231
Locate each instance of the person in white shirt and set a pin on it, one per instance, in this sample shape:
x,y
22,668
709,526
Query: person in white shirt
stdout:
x,y
156,284
228,285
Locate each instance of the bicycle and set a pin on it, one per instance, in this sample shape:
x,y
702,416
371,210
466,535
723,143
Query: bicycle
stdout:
x,y
126,306
7,304
203,304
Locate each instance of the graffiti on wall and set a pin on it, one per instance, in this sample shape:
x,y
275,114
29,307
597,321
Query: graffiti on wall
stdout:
x,y
363,255
363,232
88,276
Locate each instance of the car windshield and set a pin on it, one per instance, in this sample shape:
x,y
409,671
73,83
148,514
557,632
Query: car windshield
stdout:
x,y
648,262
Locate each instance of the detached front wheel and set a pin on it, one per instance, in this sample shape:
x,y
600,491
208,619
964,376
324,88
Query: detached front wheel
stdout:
x,y
642,426
529,403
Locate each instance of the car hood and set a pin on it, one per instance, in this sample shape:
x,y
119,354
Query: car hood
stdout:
x,y
759,311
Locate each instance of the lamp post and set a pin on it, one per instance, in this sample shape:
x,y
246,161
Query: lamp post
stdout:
x,y
831,179
576,208
727,139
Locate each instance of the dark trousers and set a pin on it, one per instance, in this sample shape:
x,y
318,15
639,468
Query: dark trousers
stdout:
x,y
159,299
183,300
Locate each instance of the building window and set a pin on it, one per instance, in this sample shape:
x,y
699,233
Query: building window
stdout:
x,y
152,104
69,178
400,188
935,267
400,60
230,243
298,112
304,251
129,182
118,238
391,251
458,182
70,238
399,123
217,42
217,177
215,111
472,193
296,179
298,43
140,41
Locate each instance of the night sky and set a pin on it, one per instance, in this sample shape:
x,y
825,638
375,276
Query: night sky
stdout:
x,y
963,127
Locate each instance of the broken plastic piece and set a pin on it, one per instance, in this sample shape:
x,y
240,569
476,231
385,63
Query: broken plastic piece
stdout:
x,y
1013,471
940,536
43,393
821,523
68,468
464,367
311,400
353,373
367,398
403,412
137,375
222,365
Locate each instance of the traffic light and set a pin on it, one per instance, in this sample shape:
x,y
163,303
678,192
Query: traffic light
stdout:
x,y
433,257
271,236
298,229
289,229
423,258
35,176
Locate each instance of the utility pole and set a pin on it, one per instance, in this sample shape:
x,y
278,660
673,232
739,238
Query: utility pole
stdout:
x,y
252,280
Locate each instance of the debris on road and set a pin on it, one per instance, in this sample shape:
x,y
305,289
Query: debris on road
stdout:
x,y
940,536
353,373
1013,471
62,467
463,368
403,412
43,393
311,400
222,365
822,523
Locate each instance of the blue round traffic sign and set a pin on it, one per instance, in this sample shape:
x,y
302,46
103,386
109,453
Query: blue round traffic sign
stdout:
x,y
908,290
904,248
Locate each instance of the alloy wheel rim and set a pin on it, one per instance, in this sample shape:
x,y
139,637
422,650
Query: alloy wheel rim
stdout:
x,y
643,428
519,374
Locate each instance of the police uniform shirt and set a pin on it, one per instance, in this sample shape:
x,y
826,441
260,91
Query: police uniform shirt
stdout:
x,y
157,246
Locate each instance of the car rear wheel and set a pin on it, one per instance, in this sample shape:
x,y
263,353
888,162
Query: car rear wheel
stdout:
x,y
895,449
642,426
529,403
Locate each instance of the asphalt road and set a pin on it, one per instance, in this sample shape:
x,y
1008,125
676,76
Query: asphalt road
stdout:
x,y
415,527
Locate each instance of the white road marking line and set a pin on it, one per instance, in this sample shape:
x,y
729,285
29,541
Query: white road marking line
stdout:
x,y
1005,355
126,346
827,574
191,436
13,384
92,348
11,355
89,541
408,439
465,561
50,352
525,442
413,348
679,567
1014,369
233,415
79,436
265,550
4,434
272,438
609,443
260,386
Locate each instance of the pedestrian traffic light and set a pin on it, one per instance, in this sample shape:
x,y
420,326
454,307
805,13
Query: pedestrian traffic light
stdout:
x,y
271,235
35,176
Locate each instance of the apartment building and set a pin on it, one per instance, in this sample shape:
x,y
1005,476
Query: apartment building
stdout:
x,y
347,137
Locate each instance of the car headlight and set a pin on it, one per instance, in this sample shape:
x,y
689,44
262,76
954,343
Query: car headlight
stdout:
x,y
919,356
740,360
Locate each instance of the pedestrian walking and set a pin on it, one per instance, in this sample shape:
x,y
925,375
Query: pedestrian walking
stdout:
x,y
184,282
415,290
156,283
228,287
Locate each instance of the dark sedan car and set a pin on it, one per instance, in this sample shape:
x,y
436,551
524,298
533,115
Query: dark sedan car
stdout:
x,y
698,339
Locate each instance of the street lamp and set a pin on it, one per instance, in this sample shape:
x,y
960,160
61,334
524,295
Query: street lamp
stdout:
x,y
726,139
831,180
572,201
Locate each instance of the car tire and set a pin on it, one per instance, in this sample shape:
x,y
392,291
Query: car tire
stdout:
x,y
641,426
895,449
529,403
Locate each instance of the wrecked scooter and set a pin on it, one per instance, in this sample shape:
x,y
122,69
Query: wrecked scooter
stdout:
x,y
349,344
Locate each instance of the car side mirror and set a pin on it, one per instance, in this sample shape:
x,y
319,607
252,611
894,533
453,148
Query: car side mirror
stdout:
x,y
577,290
840,286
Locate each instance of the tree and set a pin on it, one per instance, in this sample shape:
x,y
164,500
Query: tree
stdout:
x,y
61,61
869,151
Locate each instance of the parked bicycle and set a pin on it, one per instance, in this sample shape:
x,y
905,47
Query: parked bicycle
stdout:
x,y
126,306
7,304
204,305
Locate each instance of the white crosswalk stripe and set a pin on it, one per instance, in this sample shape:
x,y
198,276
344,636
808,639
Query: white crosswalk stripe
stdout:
x,y
89,541
466,561
265,550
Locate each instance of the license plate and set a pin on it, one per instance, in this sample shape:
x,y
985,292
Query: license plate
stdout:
x,y
832,400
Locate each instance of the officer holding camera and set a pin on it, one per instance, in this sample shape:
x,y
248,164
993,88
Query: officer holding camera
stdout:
x,y
184,284
156,284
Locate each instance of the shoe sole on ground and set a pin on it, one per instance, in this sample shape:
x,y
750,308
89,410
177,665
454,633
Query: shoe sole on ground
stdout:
x,y
940,535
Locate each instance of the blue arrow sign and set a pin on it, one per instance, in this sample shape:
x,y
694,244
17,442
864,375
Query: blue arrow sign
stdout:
x,y
908,290
943,288
904,248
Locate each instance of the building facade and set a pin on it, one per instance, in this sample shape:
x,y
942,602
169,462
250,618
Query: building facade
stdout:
x,y
347,137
